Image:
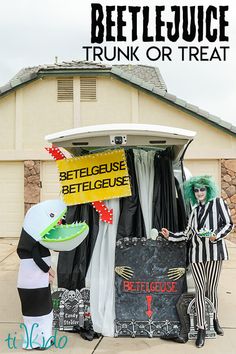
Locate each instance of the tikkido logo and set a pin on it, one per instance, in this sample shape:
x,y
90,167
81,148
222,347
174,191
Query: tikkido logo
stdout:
x,y
30,340
145,24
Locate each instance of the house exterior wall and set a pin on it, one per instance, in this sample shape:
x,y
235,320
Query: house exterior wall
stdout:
x,y
210,142
32,111
228,185
7,116
42,114
113,105
31,183
203,166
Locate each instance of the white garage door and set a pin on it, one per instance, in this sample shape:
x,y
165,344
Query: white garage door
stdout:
x,y
204,167
50,180
11,198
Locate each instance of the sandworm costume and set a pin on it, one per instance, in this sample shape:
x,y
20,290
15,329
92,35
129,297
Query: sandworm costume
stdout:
x,y
40,226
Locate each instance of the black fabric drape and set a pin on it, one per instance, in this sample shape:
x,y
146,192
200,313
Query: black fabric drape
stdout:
x,y
168,211
165,212
73,265
182,217
131,223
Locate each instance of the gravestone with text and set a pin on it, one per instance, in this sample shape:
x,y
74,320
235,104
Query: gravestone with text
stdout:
x,y
150,278
70,308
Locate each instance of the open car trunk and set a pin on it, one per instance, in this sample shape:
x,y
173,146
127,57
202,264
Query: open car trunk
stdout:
x,y
134,275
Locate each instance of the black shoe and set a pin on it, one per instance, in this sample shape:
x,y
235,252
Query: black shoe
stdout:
x,y
86,332
175,338
181,339
200,341
217,327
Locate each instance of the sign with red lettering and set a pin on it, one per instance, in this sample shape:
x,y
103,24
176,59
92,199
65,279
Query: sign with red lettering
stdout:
x,y
149,287
149,281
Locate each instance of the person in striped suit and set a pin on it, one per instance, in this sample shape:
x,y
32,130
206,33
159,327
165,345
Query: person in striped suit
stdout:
x,y
208,224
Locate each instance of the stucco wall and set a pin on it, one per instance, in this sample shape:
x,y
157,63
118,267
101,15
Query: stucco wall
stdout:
x,y
33,112
113,105
201,167
42,114
210,141
7,116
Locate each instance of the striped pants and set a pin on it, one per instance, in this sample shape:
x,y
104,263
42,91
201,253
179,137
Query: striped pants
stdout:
x,y
206,278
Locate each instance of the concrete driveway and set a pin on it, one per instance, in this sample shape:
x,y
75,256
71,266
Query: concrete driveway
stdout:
x,y
10,318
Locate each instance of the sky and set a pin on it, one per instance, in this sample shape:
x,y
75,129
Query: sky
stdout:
x,y
34,32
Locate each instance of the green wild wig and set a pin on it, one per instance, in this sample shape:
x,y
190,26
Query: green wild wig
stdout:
x,y
198,182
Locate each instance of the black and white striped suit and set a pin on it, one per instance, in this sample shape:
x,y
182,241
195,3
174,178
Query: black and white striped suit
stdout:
x,y
205,256
216,217
34,290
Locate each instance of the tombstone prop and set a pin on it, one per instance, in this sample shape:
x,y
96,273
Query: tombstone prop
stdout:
x,y
150,277
70,308
191,311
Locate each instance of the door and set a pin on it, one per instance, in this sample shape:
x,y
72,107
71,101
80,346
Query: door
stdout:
x,y
12,198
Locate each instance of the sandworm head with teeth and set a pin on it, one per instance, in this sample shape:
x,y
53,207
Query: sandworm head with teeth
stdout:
x,y
41,222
